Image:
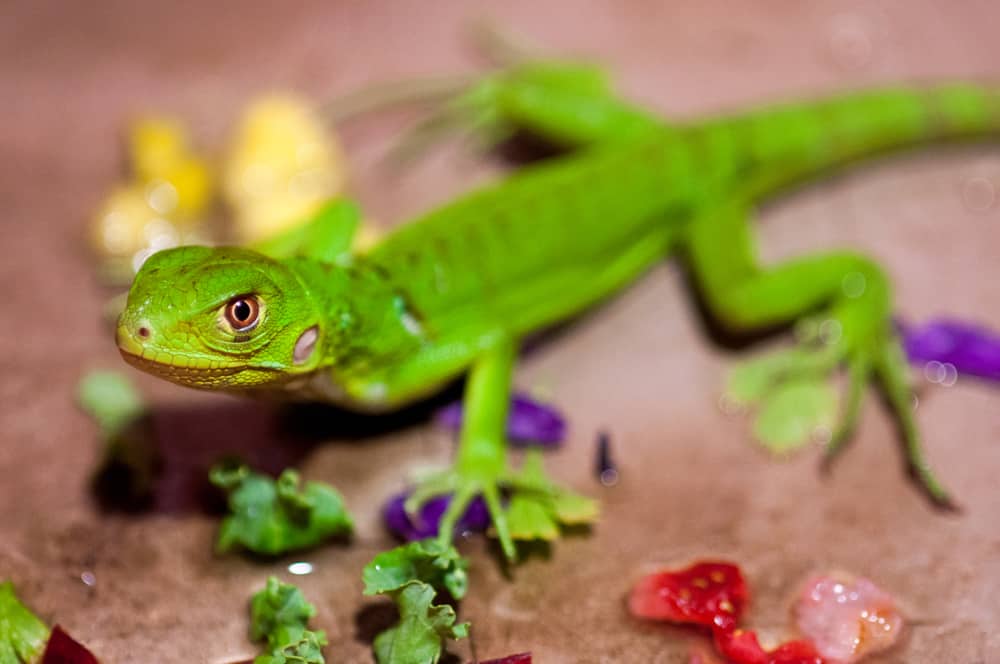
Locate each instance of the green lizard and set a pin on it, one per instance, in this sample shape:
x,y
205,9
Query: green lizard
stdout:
x,y
457,289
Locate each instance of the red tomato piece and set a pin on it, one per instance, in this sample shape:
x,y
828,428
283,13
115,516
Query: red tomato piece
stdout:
x,y
707,593
742,647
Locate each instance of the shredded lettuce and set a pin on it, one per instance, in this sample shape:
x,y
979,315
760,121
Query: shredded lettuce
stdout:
x,y
274,517
279,615
22,635
411,575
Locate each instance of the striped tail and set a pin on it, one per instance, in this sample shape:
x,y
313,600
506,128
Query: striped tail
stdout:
x,y
774,147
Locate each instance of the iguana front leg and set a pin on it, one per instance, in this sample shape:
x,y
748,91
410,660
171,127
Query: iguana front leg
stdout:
x,y
481,467
854,296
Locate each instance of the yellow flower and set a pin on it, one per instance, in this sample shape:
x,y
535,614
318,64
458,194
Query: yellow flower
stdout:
x,y
282,166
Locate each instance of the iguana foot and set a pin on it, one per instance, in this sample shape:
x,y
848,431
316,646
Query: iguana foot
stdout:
x,y
795,394
523,504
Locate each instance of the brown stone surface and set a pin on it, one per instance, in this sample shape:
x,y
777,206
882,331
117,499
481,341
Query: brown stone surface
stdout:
x,y
692,485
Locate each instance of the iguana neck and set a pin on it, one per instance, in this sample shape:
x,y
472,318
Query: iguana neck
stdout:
x,y
365,323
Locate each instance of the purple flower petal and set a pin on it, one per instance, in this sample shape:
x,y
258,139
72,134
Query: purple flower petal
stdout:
x,y
528,422
476,517
972,349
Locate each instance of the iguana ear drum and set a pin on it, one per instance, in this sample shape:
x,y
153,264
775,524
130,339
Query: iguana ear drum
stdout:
x,y
305,346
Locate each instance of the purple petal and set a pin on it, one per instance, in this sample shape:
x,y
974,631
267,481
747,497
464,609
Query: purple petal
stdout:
x,y
476,517
527,422
972,349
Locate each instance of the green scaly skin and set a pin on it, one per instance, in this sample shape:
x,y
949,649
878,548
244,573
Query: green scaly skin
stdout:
x,y
455,290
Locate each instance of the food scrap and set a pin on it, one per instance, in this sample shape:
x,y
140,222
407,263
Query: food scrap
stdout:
x,y
64,649
712,594
528,421
411,575
425,524
274,517
279,615
284,163
22,634
842,618
519,658
164,203
847,617
967,348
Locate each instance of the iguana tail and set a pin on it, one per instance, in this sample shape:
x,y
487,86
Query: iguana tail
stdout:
x,y
778,146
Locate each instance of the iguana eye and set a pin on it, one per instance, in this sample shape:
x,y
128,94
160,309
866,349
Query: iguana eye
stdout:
x,y
242,313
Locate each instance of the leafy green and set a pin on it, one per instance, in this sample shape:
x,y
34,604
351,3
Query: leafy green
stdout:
x,y
307,650
410,575
280,615
111,399
279,612
425,560
22,634
537,509
423,627
273,517
131,463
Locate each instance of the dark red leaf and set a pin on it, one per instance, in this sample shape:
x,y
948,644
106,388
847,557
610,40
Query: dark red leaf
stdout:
x,y
63,649
707,593
520,658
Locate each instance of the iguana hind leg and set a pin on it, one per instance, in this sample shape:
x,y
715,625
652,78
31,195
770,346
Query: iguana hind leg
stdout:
x,y
854,327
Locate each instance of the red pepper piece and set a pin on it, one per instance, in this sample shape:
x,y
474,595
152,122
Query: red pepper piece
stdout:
x,y
707,593
63,649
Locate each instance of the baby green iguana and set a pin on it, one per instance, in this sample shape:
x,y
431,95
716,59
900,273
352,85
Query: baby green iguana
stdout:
x,y
456,290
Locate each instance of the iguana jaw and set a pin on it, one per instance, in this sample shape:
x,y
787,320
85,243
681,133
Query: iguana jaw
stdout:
x,y
181,369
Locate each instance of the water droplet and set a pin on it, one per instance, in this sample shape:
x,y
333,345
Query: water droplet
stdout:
x,y
934,371
257,180
806,329
308,152
140,257
950,374
850,41
116,233
309,182
853,285
729,406
978,194
161,196
160,234
300,568
609,477
88,578
822,435
830,331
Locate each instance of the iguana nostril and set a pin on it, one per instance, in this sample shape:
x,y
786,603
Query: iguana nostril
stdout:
x,y
143,332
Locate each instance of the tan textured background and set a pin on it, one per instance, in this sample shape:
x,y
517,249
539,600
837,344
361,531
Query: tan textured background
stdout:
x,y
71,73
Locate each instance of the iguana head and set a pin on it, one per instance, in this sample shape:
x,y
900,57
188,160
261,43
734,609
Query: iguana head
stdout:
x,y
219,318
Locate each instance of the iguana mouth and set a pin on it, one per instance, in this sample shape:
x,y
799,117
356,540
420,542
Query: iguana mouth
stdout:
x,y
180,369
191,375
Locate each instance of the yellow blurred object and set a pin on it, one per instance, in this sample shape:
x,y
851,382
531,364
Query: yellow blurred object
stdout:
x,y
119,228
163,204
178,181
282,166
156,145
